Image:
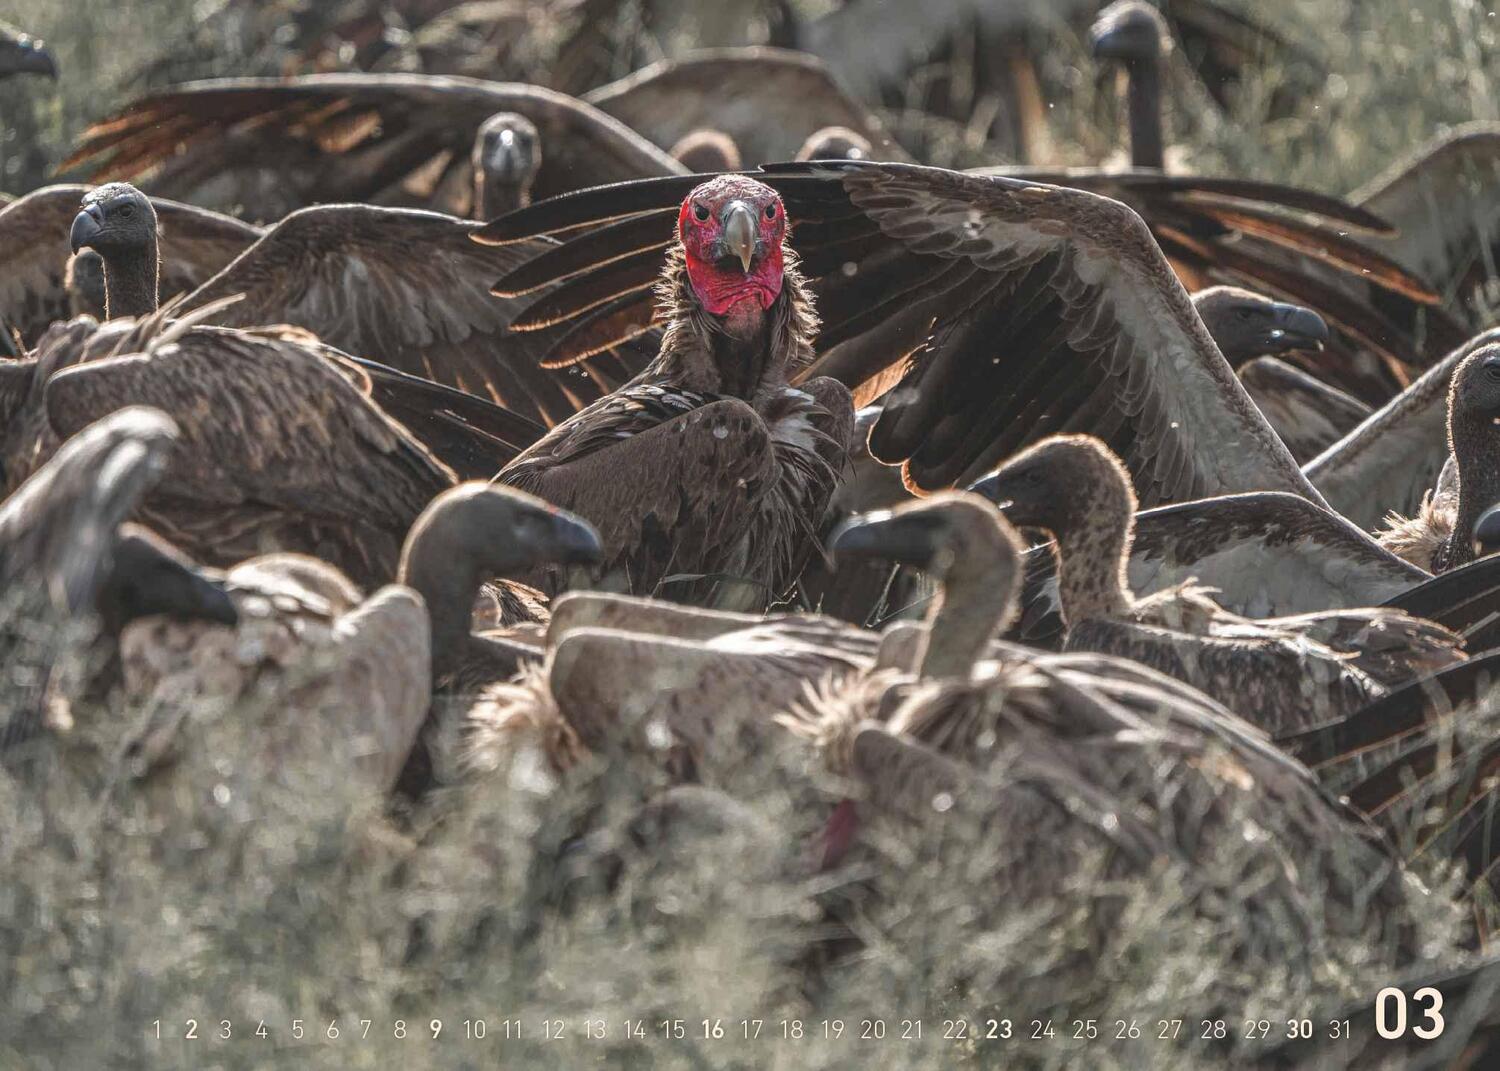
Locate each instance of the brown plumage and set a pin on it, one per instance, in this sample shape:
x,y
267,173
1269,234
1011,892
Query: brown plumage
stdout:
x,y
1065,753
1440,536
265,147
706,151
1308,414
1284,675
707,474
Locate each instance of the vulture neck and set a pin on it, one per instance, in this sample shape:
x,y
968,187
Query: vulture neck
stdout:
x,y
131,282
1477,454
700,352
1093,555
448,579
1143,100
495,198
974,604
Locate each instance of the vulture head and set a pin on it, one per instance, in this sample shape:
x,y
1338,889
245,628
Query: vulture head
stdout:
x,y
835,143
1487,532
116,218
707,152
1130,31
23,54
1062,485
731,229
84,281
490,530
1246,325
147,577
118,222
952,536
507,156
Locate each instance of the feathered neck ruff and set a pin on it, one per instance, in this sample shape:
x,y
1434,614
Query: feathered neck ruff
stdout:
x,y
696,344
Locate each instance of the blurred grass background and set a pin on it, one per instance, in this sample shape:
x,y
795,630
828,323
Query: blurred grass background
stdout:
x,y
228,896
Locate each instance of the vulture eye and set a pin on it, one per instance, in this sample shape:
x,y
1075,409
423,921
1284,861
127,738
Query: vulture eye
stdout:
x,y
700,212
771,211
126,211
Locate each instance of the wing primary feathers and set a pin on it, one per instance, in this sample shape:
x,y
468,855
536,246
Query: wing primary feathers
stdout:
x,y
632,235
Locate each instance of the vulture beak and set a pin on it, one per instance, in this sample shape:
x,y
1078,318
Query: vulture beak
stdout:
x,y
87,226
1296,328
30,57
572,541
1487,532
908,538
505,161
739,232
989,487
166,584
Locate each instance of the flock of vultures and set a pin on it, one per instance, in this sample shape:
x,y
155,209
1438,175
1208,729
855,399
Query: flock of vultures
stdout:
x,y
1126,513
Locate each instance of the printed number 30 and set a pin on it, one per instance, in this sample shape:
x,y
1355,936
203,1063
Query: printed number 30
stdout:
x,y
1390,1013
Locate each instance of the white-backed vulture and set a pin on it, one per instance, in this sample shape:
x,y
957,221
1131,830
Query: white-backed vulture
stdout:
x,y
707,474
1283,674
1308,414
193,244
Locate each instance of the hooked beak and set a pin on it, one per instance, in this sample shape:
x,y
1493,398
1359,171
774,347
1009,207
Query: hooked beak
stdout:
x,y
989,487
739,233
31,57
87,226
1296,328
909,538
573,541
506,163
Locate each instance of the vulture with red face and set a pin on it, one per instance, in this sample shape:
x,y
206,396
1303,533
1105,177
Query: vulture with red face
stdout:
x,y
707,474
988,311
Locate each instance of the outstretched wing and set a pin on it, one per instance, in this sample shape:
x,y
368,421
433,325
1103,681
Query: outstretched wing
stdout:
x,y
402,139
769,100
1003,310
409,289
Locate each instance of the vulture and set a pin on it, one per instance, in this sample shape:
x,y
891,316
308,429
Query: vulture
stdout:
x,y
988,310
76,576
836,143
706,151
769,101
20,53
83,279
1074,751
707,474
1308,414
1284,675
1391,460
1441,534
191,245
261,147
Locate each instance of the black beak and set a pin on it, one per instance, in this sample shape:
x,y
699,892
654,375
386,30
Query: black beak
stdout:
x,y
573,541
909,538
990,487
1295,328
32,58
739,233
1487,532
209,602
87,226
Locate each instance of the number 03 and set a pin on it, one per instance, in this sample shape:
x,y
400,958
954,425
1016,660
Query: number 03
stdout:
x,y
1390,1013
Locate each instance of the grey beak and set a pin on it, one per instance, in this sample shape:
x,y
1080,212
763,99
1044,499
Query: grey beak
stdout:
x,y
989,487
1297,328
32,58
739,232
574,541
87,226
909,538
